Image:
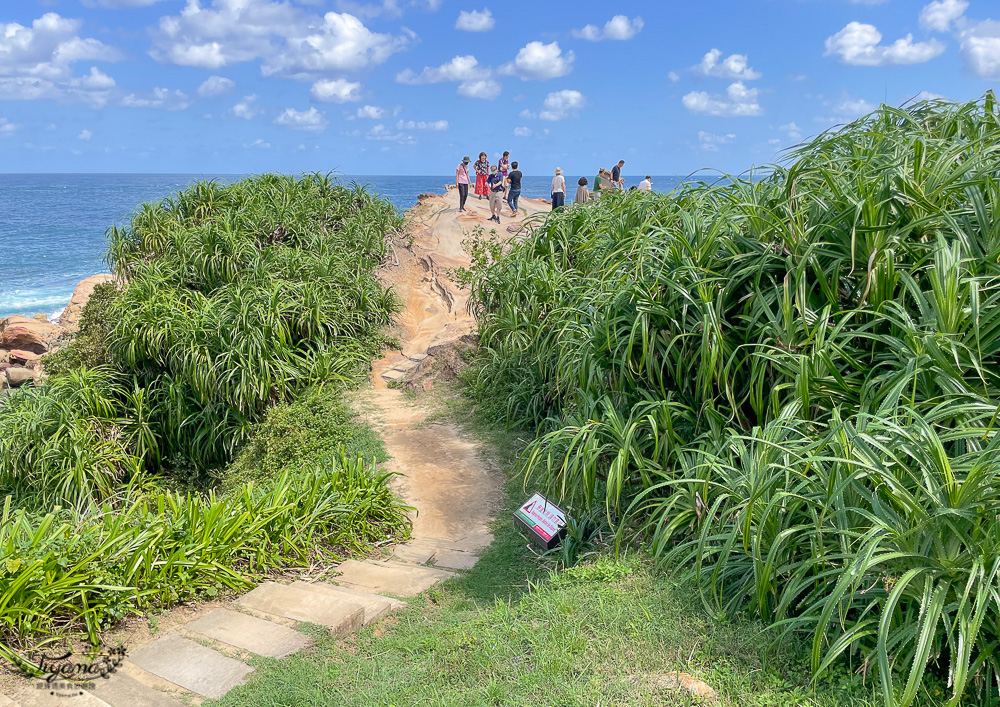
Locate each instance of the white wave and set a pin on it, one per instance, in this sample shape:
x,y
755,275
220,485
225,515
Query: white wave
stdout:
x,y
32,301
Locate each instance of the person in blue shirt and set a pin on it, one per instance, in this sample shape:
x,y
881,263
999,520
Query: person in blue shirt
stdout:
x,y
496,186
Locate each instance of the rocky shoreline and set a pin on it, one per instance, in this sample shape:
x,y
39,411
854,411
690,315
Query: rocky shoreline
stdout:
x,y
24,340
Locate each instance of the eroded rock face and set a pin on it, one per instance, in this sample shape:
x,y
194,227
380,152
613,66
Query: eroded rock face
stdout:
x,y
17,376
26,334
70,318
27,359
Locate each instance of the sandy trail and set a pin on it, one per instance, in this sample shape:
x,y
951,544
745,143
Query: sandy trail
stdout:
x,y
441,473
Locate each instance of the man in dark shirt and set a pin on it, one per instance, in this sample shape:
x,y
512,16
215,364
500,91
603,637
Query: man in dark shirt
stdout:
x,y
514,181
616,175
496,185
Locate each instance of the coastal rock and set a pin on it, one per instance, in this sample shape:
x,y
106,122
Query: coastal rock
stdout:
x,y
40,317
16,376
70,318
24,358
28,334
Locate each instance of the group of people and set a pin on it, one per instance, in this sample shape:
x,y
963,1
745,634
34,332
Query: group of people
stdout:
x,y
494,181
502,182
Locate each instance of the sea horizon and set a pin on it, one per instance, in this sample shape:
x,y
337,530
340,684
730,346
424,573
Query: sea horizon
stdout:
x,y
58,221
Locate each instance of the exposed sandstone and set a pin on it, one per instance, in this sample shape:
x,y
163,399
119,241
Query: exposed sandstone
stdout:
x,y
28,334
70,318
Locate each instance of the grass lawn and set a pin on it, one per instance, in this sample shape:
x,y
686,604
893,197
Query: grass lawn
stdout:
x,y
511,632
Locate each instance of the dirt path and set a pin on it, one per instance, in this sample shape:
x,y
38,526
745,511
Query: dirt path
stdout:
x,y
441,473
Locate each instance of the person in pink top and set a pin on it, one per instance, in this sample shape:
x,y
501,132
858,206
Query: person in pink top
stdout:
x,y
462,180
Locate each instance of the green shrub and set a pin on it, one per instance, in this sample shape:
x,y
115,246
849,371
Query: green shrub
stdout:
x,y
313,428
89,349
149,549
792,379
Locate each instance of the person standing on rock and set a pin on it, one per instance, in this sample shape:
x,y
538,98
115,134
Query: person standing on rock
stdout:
x,y
558,190
514,188
482,174
616,175
462,181
503,166
495,183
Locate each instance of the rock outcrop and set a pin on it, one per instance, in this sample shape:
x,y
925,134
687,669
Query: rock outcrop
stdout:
x,y
28,334
70,318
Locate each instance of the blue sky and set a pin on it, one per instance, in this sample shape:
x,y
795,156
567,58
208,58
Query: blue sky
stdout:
x,y
409,86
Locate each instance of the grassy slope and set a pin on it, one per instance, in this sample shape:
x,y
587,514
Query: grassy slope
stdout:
x,y
509,632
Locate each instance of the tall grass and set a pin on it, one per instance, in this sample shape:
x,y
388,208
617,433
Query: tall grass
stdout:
x,y
790,381
241,313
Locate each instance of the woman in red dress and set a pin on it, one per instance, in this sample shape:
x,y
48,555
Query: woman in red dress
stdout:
x,y
482,174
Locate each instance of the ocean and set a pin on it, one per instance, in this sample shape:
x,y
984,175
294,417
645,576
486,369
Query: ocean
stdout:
x,y
53,225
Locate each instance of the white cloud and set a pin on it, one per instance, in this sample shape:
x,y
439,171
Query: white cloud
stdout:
x,y
734,66
487,89
475,20
939,15
216,86
710,142
310,120
7,128
85,135
335,91
436,126
460,68
160,98
36,62
116,4
474,79
539,62
928,96
246,109
382,133
738,101
522,132
981,49
291,42
793,131
260,144
674,77
372,112
854,108
860,45
619,27
560,105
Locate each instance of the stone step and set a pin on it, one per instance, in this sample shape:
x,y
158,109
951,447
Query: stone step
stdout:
x,y
390,577
122,690
56,698
375,605
249,633
192,666
292,602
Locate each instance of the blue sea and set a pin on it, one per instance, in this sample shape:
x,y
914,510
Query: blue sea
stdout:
x,y
53,225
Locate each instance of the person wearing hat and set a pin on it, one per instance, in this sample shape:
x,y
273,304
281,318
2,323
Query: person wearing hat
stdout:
x,y
462,181
495,184
558,190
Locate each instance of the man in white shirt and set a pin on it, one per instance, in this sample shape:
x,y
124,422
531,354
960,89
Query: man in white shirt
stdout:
x,y
646,184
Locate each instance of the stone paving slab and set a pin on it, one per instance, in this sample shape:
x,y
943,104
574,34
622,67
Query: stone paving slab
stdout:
x,y
455,559
60,698
292,602
122,690
191,665
417,552
249,633
375,605
390,577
